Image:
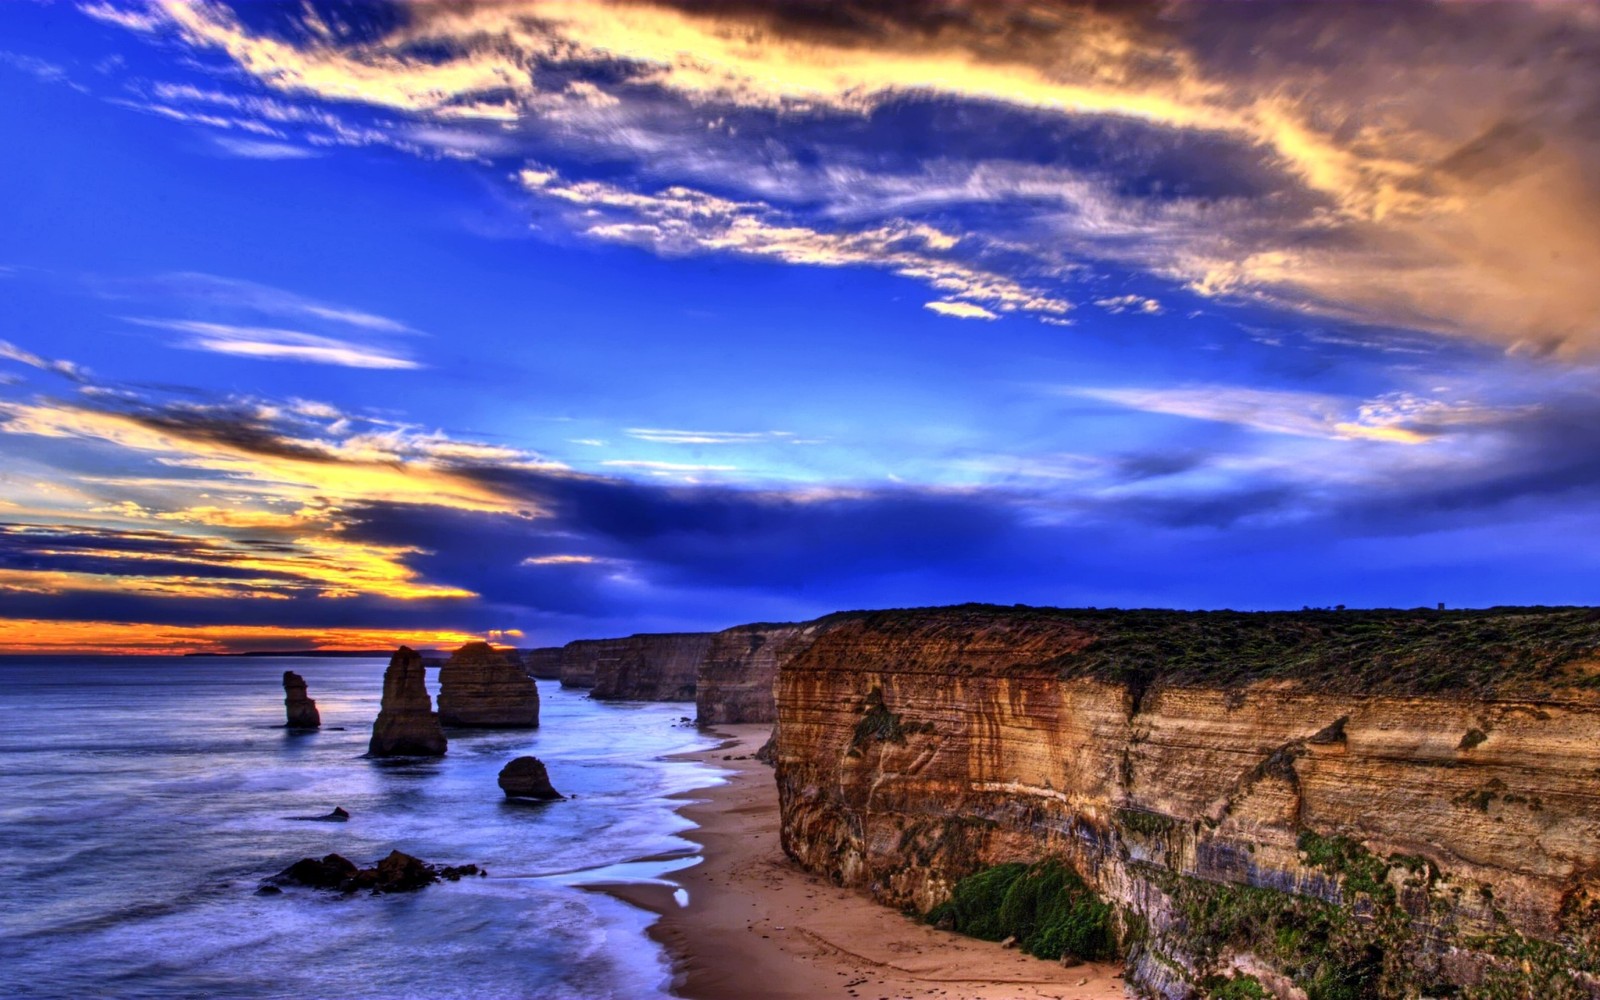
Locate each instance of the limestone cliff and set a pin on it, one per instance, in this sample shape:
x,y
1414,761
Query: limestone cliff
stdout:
x,y
735,682
544,663
406,725
578,660
483,687
658,666
301,711
1362,804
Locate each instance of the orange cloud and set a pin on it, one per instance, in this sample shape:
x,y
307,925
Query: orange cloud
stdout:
x,y
31,635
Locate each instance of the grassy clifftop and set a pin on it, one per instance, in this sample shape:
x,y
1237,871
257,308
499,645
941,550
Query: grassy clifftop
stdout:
x,y
1388,651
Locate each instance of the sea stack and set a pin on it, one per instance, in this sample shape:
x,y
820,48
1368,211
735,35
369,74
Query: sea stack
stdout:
x,y
302,711
481,686
526,778
406,725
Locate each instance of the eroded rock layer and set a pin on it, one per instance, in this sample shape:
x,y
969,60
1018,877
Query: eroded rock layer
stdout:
x,y
578,660
301,710
406,725
736,679
1393,804
658,666
544,663
480,686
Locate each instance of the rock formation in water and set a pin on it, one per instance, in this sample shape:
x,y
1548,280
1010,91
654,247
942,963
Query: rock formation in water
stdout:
x,y
658,666
526,778
302,711
406,725
1351,804
396,873
483,687
543,663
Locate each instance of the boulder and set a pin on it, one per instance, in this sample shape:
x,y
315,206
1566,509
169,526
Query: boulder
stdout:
x,y
483,687
406,725
526,778
302,711
398,872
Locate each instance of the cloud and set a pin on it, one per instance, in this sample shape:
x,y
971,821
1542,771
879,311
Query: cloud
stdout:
x,y
211,292
1394,419
1119,304
960,310
67,369
256,149
1433,171
661,435
270,344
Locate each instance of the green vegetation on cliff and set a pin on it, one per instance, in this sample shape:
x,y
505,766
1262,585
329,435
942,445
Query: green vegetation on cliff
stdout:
x,y
1380,651
1046,907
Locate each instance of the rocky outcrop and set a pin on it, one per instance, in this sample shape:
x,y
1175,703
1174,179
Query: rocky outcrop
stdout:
x,y
396,873
1340,804
302,711
406,725
526,778
544,663
659,666
483,687
736,679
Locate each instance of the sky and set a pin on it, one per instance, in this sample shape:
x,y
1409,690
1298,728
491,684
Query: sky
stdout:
x,y
351,323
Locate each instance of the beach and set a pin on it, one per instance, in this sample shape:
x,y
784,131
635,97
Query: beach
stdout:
x,y
756,926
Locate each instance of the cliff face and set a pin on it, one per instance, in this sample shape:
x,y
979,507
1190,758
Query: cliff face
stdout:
x,y
649,667
737,678
578,660
544,663
1440,828
406,725
484,687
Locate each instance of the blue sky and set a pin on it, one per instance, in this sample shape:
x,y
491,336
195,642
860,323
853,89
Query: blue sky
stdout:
x,y
338,322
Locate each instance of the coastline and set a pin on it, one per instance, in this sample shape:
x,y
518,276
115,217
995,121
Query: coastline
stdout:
x,y
756,926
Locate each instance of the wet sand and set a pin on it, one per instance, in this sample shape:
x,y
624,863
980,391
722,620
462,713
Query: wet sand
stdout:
x,y
757,927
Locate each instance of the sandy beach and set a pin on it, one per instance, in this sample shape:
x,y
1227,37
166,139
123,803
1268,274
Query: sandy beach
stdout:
x,y
756,926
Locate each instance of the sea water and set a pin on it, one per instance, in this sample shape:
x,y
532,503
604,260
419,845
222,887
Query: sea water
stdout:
x,y
143,800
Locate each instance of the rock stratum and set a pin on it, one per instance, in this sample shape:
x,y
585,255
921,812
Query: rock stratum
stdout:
x,y
543,663
487,688
406,725
1343,805
301,711
658,666
736,678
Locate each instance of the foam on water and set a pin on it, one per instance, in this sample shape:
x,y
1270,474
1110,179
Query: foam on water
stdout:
x,y
145,799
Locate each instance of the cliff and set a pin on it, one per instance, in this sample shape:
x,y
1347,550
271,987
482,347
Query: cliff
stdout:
x,y
578,660
484,687
1351,804
736,679
406,725
301,711
649,667
544,664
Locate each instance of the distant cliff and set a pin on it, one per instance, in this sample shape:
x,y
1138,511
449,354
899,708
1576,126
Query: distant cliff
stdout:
x,y
1341,804
658,666
543,663
736,679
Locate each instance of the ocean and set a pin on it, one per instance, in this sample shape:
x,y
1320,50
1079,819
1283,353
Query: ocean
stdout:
x,y
145,799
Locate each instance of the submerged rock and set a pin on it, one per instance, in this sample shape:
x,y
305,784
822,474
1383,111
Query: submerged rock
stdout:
x,y
399,872
483,687
406,725
302,711
526,778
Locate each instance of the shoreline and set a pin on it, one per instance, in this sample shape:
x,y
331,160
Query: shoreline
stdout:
x,y
756,926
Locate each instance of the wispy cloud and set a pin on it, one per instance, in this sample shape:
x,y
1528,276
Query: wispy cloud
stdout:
x,y
259,149
66,369
210,291
270,344
960,310
661,435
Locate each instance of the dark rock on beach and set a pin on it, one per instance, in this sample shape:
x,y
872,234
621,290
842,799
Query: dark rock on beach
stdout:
x,y
526,778
302,711
398,872
406,725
